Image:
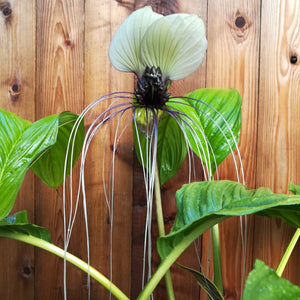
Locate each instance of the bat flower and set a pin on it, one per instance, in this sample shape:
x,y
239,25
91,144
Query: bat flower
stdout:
x,y
158,49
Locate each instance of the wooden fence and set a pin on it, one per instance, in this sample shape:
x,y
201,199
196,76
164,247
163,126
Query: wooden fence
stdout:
x,y
54,57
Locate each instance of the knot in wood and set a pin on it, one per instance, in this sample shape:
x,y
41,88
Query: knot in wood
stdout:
x,y
26,272
294,59
239,26
6,9
15,87
240,22
14,91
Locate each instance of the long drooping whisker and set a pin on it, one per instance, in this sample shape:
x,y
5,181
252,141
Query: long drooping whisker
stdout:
x,y
184,119
243,232
148,165
94,127
145,167
72,136
188,122
69,156
117,138
215,123
190,153
91,133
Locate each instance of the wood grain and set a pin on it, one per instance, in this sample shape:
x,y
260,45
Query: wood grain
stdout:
x,y
101,21
54,57
232,61
278,132
60,87
17,94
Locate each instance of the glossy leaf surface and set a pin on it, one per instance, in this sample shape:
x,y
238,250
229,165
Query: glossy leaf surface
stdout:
x,y
212,118
20,143
264,284
49,166
203,204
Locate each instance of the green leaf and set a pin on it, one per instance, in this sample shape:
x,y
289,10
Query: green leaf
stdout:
x,y
290,214
171,147
20,143
203,204
295,189
49,166
18,223
205,283
19,217
264,284
215,112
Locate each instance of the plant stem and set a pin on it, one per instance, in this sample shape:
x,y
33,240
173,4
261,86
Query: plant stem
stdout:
x,y
217,258
69,257
161,227
288,253
177,250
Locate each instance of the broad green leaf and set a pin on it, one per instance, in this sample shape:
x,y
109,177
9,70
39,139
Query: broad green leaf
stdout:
x,y
203,204
215,112
208,286
49,166
20,143
171,147
18,223
264,284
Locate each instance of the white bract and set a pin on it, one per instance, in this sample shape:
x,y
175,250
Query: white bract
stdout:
x,y
174,43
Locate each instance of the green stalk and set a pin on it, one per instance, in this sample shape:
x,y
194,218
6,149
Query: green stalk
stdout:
x,y
217,258
161,228
288,253
184,243
69,257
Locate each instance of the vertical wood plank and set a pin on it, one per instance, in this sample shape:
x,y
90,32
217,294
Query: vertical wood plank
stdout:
x,y
232,61
102,18
278,128
60,87
17,94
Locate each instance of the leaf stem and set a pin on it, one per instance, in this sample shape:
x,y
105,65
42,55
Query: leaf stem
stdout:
x,y
217,258
161,228
69,257
288,253
172,256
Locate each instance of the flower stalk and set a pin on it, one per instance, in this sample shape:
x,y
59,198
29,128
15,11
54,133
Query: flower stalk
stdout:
x,y
217,258
288,253
161,228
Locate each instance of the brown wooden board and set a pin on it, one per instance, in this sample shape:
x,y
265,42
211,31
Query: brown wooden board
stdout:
x,y
233,61
278,127
54,57
17,94
59,87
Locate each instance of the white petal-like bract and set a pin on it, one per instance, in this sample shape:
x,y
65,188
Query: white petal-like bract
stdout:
x,y
175,43
125,47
